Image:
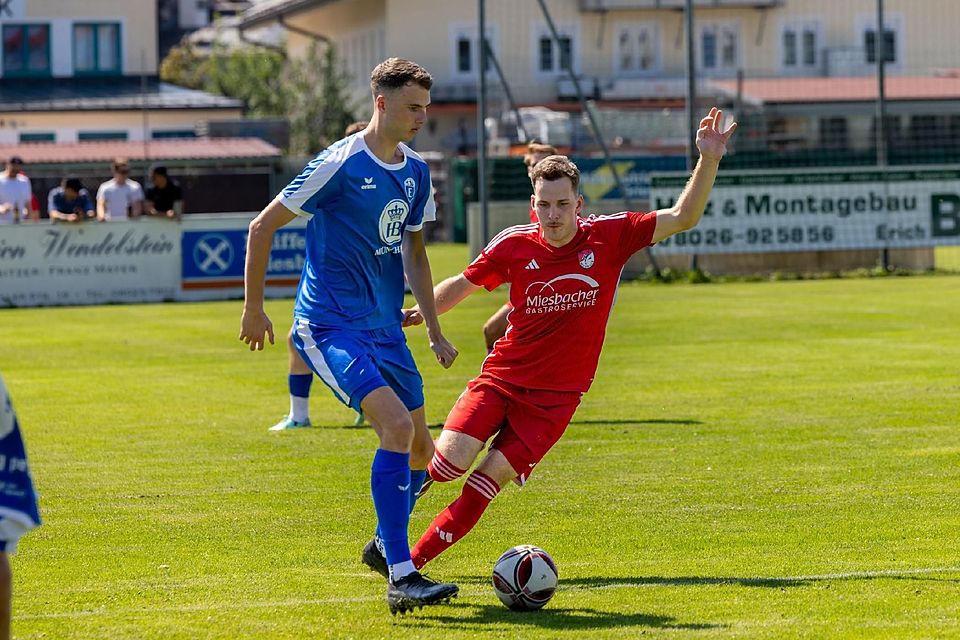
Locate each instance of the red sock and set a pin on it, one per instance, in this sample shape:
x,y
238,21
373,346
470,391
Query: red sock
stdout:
x,y
456,521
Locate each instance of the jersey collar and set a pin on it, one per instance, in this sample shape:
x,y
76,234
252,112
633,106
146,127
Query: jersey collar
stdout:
x,y
387,166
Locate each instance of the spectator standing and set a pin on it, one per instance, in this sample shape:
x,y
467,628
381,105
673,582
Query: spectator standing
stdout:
x,y
119,198
15,193
164,197
70,202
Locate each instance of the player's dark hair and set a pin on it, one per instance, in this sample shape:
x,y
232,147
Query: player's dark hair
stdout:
x,y
394,73
355,127
535,149
73,184
554,168
158,170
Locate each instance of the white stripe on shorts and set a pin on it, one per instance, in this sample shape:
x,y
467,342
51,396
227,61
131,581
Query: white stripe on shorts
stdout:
x,y
316,359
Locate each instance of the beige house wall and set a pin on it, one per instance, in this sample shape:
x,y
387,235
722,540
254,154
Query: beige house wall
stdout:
x,y
138,30
365,31
358,31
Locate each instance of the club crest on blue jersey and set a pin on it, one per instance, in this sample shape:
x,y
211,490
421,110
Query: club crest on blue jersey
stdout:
x,y
411,187
391,220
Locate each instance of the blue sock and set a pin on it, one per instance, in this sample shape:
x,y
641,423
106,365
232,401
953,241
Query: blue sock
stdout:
x,y
300,384
416,481
390,486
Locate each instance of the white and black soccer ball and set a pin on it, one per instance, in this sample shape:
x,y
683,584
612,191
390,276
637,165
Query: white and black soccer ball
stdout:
x,y
525,578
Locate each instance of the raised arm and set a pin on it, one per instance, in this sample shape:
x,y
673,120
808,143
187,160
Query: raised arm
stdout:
x,y
254,322
687,211
416,267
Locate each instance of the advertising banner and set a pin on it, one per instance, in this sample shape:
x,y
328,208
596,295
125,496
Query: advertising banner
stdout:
x,y
89,263
214,249
818,210
146,260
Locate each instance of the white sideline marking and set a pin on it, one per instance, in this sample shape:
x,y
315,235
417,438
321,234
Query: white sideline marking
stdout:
x,y
661,582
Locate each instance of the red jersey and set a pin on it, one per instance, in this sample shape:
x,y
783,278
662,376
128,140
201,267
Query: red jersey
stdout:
x,y
561,297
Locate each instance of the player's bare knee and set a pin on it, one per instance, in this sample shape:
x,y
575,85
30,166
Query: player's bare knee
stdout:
x,y
421,453
397,430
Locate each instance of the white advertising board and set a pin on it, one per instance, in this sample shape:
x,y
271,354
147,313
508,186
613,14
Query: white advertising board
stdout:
x,y
818,210
146,260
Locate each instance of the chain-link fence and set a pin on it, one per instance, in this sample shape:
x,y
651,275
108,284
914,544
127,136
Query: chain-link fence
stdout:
x,y
849,134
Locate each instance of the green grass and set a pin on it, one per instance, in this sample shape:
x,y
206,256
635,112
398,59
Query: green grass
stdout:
x,y
947,258
755,460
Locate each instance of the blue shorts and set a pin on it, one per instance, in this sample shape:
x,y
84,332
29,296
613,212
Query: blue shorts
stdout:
x,y
354,362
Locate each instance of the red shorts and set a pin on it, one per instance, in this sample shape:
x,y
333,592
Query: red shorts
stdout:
x,y
526,422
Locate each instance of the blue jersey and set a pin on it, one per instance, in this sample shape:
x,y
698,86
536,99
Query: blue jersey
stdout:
x,y
18,500
358,208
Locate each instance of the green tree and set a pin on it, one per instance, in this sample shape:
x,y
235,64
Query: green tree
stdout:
x,y
311,93
254,75
319,109
184,67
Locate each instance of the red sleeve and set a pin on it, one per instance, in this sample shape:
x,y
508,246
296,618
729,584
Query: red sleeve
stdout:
x,y
488,270
636,232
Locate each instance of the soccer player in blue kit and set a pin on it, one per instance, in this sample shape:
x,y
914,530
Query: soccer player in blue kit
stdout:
x,y
366,198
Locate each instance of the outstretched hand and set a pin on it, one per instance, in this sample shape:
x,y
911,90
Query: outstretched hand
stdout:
x,y
253,326
711,140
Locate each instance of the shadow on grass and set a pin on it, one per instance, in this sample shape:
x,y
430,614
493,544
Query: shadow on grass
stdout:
x,y
574,584
588,583
439,425
477,616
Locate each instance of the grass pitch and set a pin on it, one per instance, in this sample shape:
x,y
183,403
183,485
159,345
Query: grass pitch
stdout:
x,y
755,460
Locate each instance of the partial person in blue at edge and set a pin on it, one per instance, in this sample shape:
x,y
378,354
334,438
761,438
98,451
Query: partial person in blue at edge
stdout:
x,y
18,502
366,198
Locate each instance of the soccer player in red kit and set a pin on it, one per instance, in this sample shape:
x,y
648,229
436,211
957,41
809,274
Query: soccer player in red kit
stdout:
x,y
496,325
563,274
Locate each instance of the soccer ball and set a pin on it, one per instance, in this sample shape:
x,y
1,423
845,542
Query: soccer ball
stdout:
x,y
525,578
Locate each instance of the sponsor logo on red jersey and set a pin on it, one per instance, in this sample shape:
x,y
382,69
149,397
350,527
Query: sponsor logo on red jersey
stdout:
x,y
563,293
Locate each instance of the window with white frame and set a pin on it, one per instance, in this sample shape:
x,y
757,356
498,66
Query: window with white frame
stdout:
x,y
720,47
871,45
871,42
96,48
465,54
637,48
554,56
800,45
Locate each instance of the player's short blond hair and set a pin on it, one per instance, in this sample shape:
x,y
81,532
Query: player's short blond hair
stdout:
x,y
394,73
535,149
556,167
